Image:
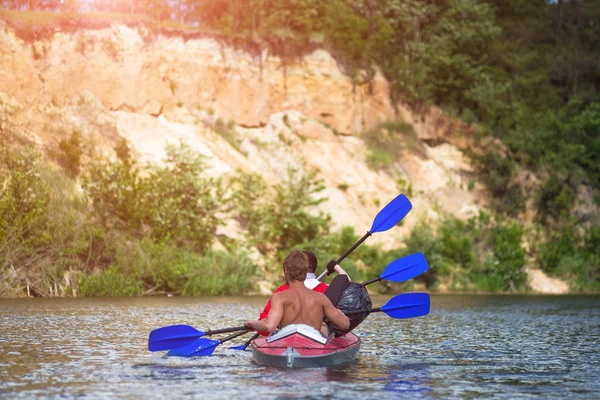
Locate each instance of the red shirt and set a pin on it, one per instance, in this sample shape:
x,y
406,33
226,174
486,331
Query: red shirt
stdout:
x,y
321,288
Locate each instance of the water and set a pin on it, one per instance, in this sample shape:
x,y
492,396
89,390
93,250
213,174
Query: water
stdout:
x,y
468,347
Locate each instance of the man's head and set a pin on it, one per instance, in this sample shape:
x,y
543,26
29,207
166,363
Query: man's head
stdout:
x,y
312,261
295,266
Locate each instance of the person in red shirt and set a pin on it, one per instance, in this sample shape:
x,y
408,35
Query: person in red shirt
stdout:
x,y
310,282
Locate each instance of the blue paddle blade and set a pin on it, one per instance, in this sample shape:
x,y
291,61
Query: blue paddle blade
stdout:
x,y
172,336
246,344
391,214
200,347
405,268
407,305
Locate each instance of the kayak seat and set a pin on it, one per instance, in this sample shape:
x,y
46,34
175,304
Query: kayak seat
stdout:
x,y
302,329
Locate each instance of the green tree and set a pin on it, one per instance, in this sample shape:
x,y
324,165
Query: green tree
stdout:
x,y
283,215
70,153
178,203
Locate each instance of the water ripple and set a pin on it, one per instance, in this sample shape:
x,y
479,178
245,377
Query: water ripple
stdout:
x,y
469,346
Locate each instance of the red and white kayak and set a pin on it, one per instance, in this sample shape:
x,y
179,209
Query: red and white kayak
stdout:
x,y
303,346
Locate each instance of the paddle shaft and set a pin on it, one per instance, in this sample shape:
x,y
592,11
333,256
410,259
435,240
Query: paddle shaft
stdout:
x,y
254,337
233,336
225,330
351,249
371,281
356,312
347,253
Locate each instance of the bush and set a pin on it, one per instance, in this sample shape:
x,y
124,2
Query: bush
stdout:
x,y
379,159
178,203
219,273
148,266
423,239
573,256
496,172
280,217
109,283
502,269
44,232
483,253
113,188
555,198
386,142
70,152
174,202
559,244
25,196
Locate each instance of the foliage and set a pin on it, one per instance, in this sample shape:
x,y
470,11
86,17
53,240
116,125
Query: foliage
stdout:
x,y
483,253
227,132
43,231
50,247
220,273
555,198
70,152
280,217
112,187
163,267
497,172
25,197
172,203
179,203
573,255
525,71
109,283
502,269
386,142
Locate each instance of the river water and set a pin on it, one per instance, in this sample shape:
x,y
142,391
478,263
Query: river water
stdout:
x,y
468,347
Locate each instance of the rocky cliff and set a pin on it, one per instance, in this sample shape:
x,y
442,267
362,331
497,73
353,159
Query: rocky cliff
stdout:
x,y
154,89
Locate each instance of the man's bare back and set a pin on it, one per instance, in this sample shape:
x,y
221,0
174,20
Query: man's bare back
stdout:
x,y
299,305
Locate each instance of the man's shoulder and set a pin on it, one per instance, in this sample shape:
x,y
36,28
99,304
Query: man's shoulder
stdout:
x,y
317,295
283,293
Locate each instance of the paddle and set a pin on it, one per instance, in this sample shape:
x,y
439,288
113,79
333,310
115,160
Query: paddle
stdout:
x,y
386,219
246,344
402,269
408,305
202,347
172,336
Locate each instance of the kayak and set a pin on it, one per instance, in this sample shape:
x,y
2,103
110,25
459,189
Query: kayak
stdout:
x,y
303,346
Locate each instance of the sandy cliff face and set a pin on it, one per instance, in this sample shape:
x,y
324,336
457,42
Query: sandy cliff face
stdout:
x,y
131,70
152,90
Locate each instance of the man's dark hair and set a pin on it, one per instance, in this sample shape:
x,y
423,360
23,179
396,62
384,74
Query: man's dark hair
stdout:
x,y
312,261
296,266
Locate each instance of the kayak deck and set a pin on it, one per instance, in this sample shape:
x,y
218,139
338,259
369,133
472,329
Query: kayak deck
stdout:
x,y
298,347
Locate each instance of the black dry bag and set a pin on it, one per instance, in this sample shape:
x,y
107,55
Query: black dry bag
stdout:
x,y
354,297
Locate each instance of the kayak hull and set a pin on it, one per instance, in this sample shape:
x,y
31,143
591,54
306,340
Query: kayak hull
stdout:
x,y
298,350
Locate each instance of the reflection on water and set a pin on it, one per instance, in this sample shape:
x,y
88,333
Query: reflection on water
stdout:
x,y
469,346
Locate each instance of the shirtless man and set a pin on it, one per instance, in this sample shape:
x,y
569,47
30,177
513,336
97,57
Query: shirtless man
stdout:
x,y
298,304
